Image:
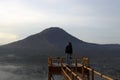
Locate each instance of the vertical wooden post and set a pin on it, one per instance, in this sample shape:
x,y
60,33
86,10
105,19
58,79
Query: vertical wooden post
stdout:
x,y
88,75
83,72
49,76
49,65
88,65
92,74
50,61
62,60
72,76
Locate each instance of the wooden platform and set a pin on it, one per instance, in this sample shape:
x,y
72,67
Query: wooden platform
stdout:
x,y
78,70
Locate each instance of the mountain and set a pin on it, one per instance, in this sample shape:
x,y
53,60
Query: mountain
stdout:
x,y
52,37
35,49
52,41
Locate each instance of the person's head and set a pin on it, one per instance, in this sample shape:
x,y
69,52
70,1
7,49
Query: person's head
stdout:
x,y
70,43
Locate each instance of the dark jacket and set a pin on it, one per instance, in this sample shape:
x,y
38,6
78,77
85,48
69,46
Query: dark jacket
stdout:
x,y
68,49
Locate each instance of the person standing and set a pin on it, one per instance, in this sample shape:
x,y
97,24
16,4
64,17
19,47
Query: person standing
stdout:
x,y
69,52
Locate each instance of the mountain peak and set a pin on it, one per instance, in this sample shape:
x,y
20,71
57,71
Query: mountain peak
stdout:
x,y
51,37
53,30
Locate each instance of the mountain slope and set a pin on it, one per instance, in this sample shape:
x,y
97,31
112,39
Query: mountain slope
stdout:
x,y
54,40
35,49
49,37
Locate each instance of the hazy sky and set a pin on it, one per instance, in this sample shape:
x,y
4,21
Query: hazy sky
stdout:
x,y
96,21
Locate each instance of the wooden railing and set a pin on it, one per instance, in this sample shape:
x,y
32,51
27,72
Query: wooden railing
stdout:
x,y
69,74
93,72
83,63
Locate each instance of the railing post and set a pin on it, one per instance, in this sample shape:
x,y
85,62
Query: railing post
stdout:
x,y
72,76
92,74
50,61
62,60
88,72
49,64
49,76
83,72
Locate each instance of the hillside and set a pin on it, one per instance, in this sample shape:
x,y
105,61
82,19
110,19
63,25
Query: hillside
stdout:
x,y
53,41
34,50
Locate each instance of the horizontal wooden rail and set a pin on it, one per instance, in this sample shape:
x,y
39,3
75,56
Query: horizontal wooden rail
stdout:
x,y
97,73
74,74
103,76
66,75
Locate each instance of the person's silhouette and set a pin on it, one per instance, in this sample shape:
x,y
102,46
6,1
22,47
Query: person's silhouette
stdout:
x,y
69,52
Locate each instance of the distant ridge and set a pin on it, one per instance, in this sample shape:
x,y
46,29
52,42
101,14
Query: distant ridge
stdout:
x,y
54,40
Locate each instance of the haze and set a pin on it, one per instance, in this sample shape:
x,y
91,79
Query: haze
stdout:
x,y
95,21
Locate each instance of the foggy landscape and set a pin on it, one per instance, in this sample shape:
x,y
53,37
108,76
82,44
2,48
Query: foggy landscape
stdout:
x,y
33,30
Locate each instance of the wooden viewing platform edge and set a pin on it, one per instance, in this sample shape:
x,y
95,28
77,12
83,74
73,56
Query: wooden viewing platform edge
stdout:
x,y
80,69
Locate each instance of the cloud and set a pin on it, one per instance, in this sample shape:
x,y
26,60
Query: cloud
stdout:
x,y
7,37
16,13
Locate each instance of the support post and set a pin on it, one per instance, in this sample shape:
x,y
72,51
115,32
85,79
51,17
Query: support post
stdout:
x,y
92,74
83,72
50,61
88,75
49,76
